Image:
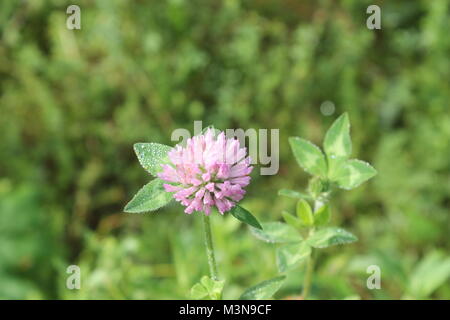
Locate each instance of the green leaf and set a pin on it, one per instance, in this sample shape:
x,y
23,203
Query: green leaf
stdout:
x,y
291,220
305,214
207,287
263,290
245,216
152,196
336,165
308,156
293,194
198,291
432,272
151,156
329,237
354,173
277,232
337,139
322,216
317,186
214,287
290,255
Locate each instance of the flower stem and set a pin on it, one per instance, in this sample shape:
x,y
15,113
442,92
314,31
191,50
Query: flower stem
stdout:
x,y
308,275
310,262
210,248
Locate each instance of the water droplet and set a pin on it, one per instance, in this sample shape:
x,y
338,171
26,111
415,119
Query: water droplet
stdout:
x,y
327,108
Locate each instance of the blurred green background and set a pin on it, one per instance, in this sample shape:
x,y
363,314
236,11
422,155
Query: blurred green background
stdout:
x,y
74,101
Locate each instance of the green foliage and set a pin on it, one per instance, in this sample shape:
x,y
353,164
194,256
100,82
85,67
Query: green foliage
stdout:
x,y
207,287
263,290
337,141
198,292
291,220
276,232
245,216
308,156
151,197
304,213
151,156
322,216
73,102
330,236
354,173
317,187
432,272
293,194
348,174
25,246
290,255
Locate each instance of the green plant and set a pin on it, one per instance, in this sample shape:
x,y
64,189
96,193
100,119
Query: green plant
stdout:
x,y
208,172
73,101
301,235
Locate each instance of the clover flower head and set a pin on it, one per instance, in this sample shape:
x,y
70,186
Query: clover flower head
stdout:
x,y
210,171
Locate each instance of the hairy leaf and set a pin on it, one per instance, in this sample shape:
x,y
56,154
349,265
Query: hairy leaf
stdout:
x,y
263,290
290,255
293,194
277,232
152,196
337,139
330,236
151,156
308,156
354,173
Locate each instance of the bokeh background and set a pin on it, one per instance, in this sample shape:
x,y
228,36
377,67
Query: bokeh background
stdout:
x,y
73,103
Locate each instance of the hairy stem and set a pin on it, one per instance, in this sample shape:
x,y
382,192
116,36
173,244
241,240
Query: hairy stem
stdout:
x,y
210,248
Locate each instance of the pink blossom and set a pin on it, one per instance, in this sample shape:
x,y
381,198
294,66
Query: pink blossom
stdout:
x,y
209,171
